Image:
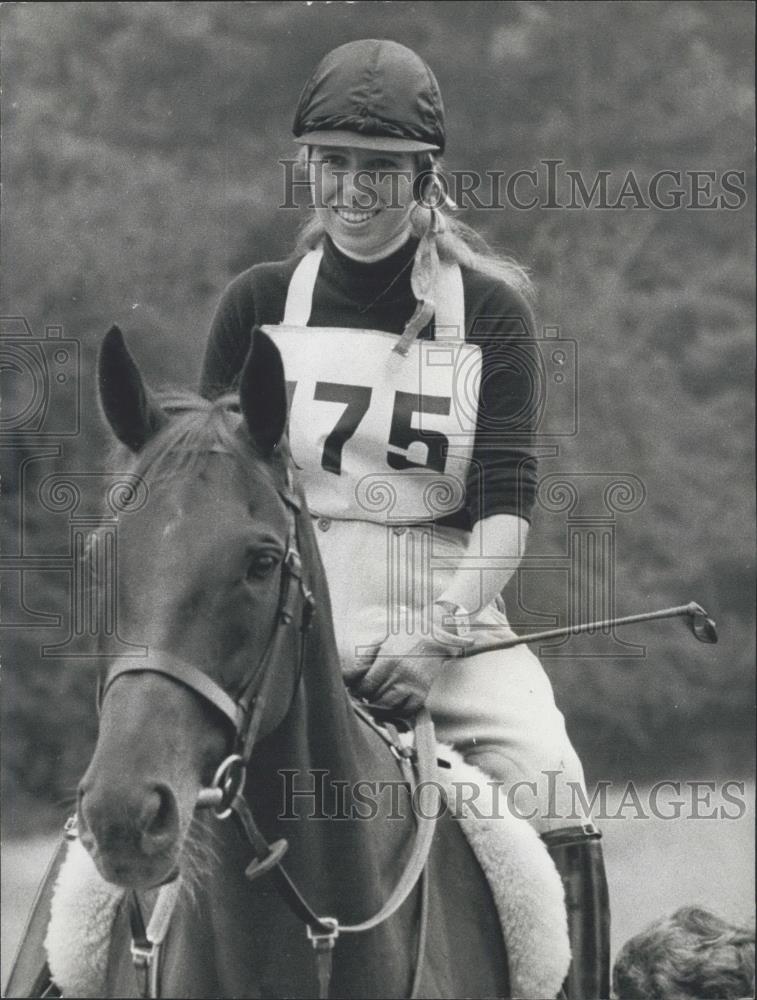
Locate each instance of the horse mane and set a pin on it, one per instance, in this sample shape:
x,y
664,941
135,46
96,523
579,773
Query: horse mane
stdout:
x,y
196,428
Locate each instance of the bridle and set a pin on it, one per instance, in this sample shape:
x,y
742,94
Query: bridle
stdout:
x,y
246,711
225,794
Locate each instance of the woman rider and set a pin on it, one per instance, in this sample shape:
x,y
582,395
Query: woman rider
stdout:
x,y
408,349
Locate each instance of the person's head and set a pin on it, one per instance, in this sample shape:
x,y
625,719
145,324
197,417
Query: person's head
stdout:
x,y
692,955
363,197
370,118
370,121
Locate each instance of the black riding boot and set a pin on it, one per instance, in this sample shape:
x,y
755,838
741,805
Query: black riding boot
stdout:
x,y
577,854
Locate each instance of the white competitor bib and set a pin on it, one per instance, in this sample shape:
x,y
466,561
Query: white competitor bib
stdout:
x,y
379,436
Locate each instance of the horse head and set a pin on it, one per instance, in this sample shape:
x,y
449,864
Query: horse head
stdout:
x,y
200,573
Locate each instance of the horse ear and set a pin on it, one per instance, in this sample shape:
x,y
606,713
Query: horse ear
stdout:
x,y
262,392
127,402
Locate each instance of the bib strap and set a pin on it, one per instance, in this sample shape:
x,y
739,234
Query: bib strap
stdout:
x,y
448,296
450,303
299,303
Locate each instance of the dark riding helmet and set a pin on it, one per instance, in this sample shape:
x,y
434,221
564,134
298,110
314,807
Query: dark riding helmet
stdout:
x,y
372,94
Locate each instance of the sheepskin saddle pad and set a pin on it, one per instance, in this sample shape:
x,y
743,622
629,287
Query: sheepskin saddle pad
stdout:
x,y
525,884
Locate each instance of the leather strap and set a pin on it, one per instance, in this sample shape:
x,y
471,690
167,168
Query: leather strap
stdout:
x,y
323,931
426,824
387,731
146,942
142,952
254,698
182,671
420,951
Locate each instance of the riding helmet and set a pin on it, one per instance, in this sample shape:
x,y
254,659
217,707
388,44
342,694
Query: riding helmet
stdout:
x,y
372,94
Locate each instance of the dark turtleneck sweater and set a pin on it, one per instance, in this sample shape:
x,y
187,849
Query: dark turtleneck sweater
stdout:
x,y
378,296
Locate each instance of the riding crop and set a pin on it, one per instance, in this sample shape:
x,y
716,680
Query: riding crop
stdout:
x,y
697,618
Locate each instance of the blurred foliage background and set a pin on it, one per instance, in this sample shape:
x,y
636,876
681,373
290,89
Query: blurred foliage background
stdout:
x,y
140,174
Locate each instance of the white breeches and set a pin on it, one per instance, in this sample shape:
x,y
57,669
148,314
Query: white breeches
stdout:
x,y
497,708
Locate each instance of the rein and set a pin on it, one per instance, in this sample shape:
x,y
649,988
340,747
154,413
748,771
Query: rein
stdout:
x,y
225,795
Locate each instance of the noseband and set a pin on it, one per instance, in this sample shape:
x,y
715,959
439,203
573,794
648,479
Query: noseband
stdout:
x,y
225,795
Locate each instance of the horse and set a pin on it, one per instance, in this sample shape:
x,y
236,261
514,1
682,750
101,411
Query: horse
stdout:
x,y
220,581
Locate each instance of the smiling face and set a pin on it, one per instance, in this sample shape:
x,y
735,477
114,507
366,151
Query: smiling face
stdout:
x,y
363,197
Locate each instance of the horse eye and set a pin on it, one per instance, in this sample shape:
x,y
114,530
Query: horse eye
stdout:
x,y
261,565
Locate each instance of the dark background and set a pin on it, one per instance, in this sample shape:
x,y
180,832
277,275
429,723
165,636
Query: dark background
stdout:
x,y
140,173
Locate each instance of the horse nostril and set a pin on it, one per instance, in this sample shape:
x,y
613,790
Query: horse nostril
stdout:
x,y
158,819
